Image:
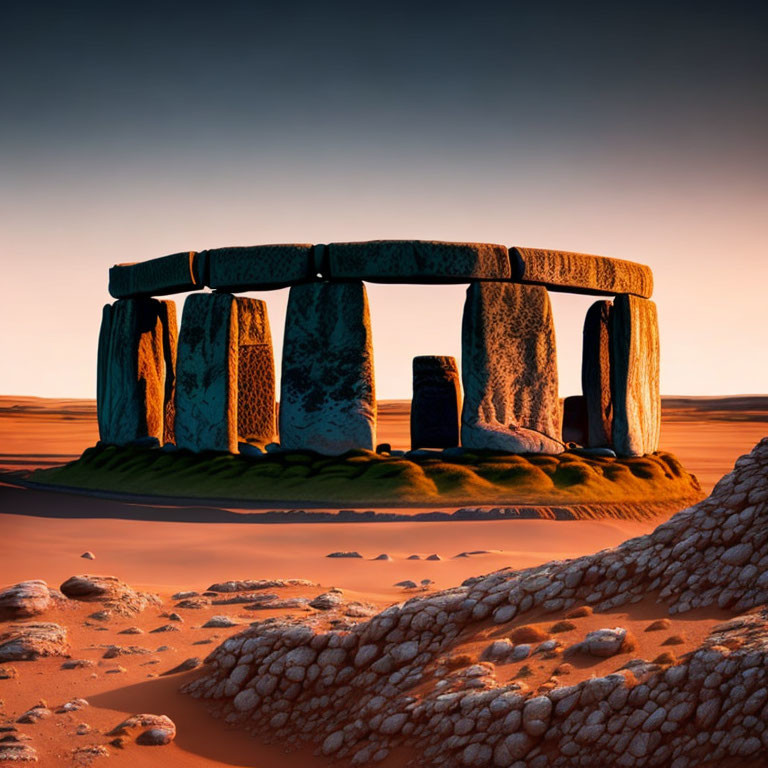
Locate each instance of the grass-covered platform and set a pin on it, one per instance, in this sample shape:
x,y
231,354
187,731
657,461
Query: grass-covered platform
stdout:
x,y
362,478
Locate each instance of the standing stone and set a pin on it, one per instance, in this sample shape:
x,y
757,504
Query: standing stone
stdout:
x,y
226,377
135,371
635,376
327,394
436,402
575,420
596,374
509,370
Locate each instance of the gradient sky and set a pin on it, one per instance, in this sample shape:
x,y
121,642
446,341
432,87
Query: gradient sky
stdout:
x,y
130,130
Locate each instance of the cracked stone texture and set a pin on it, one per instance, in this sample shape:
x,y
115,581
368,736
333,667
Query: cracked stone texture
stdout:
x,y
509,370
136,371
436,402
225,374
635,376
580,272
157,277
327,396
418,261
371,687
31,640
260,267
596,374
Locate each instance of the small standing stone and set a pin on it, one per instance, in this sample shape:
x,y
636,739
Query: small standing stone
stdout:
x,y
436,402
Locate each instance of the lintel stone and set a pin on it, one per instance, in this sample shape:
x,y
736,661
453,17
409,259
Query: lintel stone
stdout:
x,y
417,261
260,267
157,277
580,272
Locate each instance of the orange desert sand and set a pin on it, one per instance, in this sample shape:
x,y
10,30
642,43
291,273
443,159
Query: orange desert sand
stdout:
x,y
44,535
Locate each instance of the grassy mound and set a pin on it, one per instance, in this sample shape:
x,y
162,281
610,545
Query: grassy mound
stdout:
x,y
361,477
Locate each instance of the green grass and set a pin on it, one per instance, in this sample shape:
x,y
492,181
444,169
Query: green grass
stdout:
x,y
361,477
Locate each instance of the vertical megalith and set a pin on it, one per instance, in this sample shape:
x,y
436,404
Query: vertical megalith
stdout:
x,y
327,393
635,376
436,402
596,374
509,370
225,392
135,371
575,420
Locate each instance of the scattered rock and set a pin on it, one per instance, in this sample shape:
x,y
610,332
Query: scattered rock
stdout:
x,y
407,584
254,585
674,640
194,603
8,673
327,601
30,641
344,554
24,600
168,628
110,591
35,715
185,666
88,555
73,705
149,730
131,631
77,664
604,642
433,557
113,651
218,622
659,624
382,556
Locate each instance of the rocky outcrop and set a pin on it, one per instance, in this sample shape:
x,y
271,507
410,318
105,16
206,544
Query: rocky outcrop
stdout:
x,y
385,683
31,640
226,381
596,374
580,272
327,391
509,370
436,402
260,267
635,376
114,594
158,277
24,600
136,371
417,261
146,730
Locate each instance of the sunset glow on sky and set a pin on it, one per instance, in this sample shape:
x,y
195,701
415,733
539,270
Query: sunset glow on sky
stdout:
x,y
638,133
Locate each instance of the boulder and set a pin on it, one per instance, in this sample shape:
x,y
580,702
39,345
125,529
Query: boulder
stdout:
x,y
260,267
31,640
136,371
635,376
149,730
436,402
509,370
417,261
327,395
596,374
25,599
226,374
110,591
580,272
158,277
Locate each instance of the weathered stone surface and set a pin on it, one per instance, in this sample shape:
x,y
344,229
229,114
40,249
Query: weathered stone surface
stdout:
x,y
110,591
31,640
226,377
327,396
25,599
580,272
509,370
596,374
136,371
150,730
418,261
157,277
436,402
260,267
635,376
575,420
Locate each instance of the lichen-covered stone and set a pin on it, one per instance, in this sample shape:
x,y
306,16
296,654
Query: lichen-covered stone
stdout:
x,y
635,376
580,272
157,277
509,370
417,261
596,374
260,267
136,371
436,402
225,388
327,395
